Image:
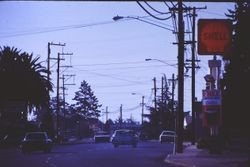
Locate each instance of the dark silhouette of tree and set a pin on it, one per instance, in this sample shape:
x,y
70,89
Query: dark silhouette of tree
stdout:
x,y
23,78
108,124
236,80
86,102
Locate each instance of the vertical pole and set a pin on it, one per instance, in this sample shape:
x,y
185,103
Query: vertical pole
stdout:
x,y
193,78
48,62
180,78
162,92
57,99
155,92
120,115
48,76
173,86
142,110
64,110
106,113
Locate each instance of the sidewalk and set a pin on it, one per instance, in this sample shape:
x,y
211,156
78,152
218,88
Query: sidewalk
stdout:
x,y
194,157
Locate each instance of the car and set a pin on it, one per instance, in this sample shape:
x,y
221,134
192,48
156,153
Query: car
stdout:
x,y
102,136
167,136
124,137
36,141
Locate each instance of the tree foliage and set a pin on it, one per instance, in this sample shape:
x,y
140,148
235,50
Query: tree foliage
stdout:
x,y
86,102
23,82
236,80
23,78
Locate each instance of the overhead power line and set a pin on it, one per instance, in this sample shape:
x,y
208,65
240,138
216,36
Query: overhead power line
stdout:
x,y
53,29
154,16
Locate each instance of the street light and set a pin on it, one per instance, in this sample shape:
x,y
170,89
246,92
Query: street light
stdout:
x,y
116,18
149,59
185,74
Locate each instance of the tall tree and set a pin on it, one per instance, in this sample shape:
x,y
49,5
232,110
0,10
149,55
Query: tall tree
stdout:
x,y
237,70
23,78
86,102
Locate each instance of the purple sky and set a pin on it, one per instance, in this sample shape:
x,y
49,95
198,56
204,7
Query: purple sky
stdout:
x,y
109,55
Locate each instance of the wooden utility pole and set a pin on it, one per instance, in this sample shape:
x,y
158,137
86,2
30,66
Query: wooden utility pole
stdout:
x,y
180,118
120,120
142,110
193,67
63,88
57,96
106,113
48,63
155,93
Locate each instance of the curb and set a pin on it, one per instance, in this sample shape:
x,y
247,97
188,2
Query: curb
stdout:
x,y
173,162
168,161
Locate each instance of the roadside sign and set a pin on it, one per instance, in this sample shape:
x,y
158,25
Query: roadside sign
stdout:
x,y
214,36
211,107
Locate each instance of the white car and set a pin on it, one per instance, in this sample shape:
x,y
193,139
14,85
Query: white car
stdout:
x,y
167,136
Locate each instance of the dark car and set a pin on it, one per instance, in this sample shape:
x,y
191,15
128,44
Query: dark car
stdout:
x,y
124,137
36,141
102,136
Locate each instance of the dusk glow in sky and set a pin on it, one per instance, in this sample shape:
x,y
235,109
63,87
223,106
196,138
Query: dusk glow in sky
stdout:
x,y
110,55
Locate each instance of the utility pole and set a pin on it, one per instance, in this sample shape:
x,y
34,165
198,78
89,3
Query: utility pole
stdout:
x,y
180,114
63,88
162,94
49,52
57,90
155,93
106,112
193,67
120,120
57,94
48,64
142,110
58,75
48,74
193,77
173,80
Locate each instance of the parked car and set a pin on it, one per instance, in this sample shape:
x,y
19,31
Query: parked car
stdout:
x,y
124,137
167,136
36,141
102,136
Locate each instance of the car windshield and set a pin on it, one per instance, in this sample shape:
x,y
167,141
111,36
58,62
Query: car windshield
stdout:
x,y
36,136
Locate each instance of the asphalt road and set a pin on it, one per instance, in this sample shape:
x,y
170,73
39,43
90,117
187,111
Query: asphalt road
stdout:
x,y
147,154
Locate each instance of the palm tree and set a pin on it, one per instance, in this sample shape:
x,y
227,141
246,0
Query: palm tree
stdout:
x,y
23,79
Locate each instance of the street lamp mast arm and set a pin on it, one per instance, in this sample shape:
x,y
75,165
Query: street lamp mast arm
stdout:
x,y
161,62
116,18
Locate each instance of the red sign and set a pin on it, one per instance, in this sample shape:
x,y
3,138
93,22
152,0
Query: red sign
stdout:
x,y
214,36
